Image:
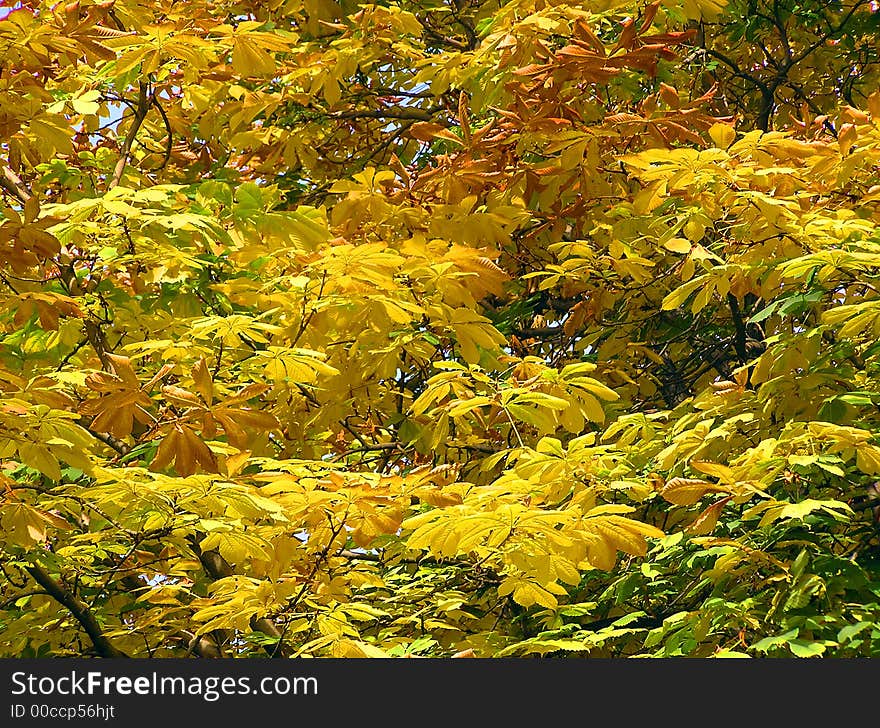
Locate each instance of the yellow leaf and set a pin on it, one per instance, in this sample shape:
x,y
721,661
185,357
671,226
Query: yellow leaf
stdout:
x,y
687,491
249,59
680,294
722,135
678,245
357,649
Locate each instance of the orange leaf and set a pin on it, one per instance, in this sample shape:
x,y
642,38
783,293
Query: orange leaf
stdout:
x,y
426,131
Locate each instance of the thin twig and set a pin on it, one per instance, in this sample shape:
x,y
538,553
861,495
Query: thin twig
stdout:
x,y
143,106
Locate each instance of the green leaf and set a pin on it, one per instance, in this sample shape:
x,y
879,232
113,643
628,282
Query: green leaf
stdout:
x,y
802,648
851,630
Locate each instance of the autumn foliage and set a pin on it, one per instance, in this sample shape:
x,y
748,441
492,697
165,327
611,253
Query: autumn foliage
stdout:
x,y
438,327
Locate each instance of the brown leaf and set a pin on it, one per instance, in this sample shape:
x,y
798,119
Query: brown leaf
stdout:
x,y
707,520
121,402
186,450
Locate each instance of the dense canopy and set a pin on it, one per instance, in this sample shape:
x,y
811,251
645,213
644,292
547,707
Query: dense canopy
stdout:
x,y
436,327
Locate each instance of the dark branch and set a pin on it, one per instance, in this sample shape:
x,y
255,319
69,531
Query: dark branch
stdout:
x,y
78,609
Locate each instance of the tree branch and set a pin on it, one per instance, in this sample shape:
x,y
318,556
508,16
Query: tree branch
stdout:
x,y
169,140
110,441
140,113
78,609
13,184
393,113
739,341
